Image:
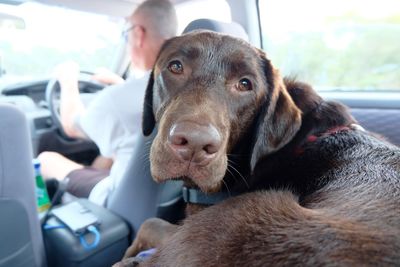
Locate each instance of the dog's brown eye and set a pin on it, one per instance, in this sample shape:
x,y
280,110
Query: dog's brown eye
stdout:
x,y
175,67
244,85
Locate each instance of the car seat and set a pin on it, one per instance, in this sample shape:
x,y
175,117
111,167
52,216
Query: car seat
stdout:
x,y
21,242
138,197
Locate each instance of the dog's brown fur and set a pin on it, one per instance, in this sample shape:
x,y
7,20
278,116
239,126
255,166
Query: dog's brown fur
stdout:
x,y
321,192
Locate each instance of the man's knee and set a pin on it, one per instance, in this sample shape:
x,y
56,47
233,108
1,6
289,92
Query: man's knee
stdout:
x,y
49,162
55,165
48,156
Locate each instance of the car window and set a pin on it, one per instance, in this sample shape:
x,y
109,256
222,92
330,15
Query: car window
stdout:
x,y
52,35
335,44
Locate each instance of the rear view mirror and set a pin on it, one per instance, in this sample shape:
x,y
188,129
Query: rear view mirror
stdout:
x,y
8,21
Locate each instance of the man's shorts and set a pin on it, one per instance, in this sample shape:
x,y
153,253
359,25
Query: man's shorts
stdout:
x,y
82,181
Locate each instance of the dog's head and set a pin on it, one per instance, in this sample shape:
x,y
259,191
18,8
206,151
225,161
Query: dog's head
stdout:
x,y
205,93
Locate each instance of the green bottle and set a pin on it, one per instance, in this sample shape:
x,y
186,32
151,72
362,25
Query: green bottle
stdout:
x,y
42,197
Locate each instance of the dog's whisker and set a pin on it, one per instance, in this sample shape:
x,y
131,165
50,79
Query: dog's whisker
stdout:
x,y
241,176
236,157
232,162
145,166
146,156
148,143
227,188
234,176
145,159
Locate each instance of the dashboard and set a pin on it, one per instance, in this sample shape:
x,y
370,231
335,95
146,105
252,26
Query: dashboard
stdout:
x,y
33,90
30,98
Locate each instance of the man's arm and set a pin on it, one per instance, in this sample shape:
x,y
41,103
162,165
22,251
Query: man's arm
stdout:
x,y
106,76
71,106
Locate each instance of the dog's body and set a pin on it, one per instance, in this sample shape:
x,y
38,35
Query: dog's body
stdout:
x,y
322,191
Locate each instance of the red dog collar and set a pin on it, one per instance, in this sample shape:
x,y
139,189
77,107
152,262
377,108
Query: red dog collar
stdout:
x,y
337,129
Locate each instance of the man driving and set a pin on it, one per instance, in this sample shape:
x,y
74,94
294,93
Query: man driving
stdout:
x,y
112,119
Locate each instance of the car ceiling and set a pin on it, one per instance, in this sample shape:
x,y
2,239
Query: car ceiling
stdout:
x,y
116,8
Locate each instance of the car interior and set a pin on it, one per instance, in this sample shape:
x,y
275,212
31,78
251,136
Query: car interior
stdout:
x,y
29,102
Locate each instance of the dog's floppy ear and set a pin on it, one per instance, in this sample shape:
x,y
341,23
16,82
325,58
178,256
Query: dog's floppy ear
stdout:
x,y
279,118
148,120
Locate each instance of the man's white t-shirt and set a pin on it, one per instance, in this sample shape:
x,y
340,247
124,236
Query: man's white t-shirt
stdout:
x,y
113,121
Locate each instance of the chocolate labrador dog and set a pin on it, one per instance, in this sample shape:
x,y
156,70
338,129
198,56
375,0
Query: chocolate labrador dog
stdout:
x,y
309,186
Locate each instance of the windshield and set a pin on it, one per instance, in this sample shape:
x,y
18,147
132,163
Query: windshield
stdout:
x,y
51,36
335,44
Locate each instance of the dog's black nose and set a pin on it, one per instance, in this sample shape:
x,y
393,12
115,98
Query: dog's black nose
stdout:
x,y
194,142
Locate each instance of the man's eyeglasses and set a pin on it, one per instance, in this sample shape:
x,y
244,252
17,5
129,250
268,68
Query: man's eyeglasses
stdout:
x,y
125,32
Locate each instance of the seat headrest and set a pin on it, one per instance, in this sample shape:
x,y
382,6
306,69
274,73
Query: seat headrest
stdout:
x,y
231,28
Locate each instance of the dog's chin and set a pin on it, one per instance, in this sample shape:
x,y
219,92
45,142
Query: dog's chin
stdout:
x,y
209,187
208,178
206,185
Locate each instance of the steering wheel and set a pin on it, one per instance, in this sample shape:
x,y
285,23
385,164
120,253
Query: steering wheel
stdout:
x,y
53,97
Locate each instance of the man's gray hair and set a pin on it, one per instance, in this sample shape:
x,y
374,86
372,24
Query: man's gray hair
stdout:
x,y
160,17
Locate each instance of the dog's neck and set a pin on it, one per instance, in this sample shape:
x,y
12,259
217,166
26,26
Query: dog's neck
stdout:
x,y
192,208
318,117
287,168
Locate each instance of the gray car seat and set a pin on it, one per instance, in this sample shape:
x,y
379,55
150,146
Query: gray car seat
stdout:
x,y
138,197
21,242
231,28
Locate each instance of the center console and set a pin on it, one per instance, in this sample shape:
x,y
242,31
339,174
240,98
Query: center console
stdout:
x,y
81,248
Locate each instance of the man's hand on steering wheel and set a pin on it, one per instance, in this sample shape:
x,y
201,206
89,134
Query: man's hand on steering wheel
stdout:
x,y
67,74
67,105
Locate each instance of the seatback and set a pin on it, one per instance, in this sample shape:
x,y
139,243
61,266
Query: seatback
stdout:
x,y
231,28
21,242
138,197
